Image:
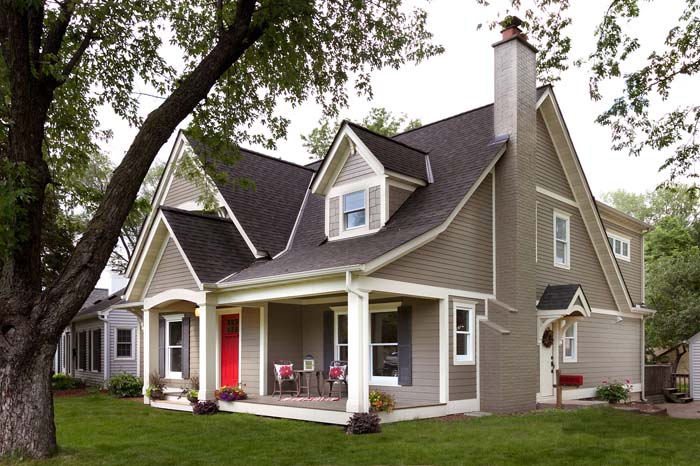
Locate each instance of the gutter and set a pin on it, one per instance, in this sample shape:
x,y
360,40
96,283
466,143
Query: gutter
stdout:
x,y
103,317
280,278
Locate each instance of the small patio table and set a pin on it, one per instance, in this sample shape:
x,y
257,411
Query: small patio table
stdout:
x,y
305,381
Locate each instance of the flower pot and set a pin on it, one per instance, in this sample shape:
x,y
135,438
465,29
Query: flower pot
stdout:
x,y
157,394
192,399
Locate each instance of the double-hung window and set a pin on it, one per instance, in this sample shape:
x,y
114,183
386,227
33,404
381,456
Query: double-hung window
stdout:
x,y
463,337
95,350
354,210
82,351
620,246
384,341
562,243
341,337
173,347
570,343
124,342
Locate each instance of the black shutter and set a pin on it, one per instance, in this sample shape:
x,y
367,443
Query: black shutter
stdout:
x,y
98,352
186,347
405,347
161,347
328,339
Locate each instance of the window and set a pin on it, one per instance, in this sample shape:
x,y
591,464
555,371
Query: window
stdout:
x,y
463,322
384,351
82,351
124,343
570,343
562,246
620,246
354,210
95,353
341,338
173,347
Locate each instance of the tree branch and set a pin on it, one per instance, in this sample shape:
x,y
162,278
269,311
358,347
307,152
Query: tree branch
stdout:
x,y
55,34
78,54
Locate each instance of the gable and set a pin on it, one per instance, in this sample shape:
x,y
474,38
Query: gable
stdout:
x,y
460,257
355,167
181,192
171,272
550,174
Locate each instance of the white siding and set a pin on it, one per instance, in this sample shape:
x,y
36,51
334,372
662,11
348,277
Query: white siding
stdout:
x,y
695,367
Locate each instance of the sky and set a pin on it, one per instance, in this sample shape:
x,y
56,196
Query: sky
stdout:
x,y
462,78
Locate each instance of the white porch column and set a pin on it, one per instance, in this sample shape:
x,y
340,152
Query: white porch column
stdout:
x,y
358,353
263,350
444,368
207,350
150,346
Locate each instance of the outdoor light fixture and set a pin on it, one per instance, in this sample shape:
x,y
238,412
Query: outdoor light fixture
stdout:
x,y
196,311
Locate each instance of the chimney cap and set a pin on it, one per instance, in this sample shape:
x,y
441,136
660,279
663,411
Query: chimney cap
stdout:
x,y
511,30
511,21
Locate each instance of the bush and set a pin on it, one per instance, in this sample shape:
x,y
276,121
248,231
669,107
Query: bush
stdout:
x,y
125,386
380,401
205,408
614,392
363,423
65,382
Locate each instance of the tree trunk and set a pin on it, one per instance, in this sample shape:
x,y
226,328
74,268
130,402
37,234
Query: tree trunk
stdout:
x,y
26,405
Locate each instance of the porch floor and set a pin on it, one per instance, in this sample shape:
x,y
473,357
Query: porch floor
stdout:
x,y
338,405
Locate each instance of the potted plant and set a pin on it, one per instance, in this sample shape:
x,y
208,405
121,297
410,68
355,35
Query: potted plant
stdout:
x,y
230,394
193,395
380,401
156,390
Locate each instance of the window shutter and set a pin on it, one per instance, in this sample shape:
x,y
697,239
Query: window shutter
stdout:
x,y
186,347
161,347
405,347
98,353
328,339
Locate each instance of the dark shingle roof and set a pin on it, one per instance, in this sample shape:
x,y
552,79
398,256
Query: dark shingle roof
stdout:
x,y
103,303
461,148
314,165
395,155
212,244
97,293
268,212
557,297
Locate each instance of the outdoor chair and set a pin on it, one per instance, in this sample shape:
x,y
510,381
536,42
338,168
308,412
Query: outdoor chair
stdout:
x,y
337,375
285,375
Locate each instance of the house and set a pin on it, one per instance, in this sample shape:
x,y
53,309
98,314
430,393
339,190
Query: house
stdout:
x,y
102,340
454,266
694,366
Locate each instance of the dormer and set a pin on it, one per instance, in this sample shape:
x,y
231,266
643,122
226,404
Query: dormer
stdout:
x,y
365,178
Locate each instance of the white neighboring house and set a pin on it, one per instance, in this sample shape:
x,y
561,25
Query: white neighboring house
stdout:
x,y
694,366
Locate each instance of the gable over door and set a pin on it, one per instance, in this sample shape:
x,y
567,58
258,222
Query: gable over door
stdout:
x,y
171,272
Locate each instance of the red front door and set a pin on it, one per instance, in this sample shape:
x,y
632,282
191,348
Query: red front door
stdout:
x,y
229,349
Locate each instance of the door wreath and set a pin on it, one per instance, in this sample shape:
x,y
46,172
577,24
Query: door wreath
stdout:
x,y
548,338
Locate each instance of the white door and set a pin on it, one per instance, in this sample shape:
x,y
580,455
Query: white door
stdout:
x,y
547,368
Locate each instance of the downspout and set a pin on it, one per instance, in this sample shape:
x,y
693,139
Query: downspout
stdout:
x,y
105,347
642,395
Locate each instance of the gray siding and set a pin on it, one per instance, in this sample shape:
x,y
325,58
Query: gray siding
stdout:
x,y
461,257
550,174
171,272
88,376
631,271
375,206
250,349
334,216
355,167
284,337
181,191
607,350
194,354
585,267
462,377
122,319
397,197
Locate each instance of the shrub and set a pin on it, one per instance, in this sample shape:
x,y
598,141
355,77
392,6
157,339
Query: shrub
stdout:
x,y
363,423
125,386
205,408
65,382
614,392
156,387
381,401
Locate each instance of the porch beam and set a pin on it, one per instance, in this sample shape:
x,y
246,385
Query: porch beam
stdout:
x,y
150,343
358,352
207,349
271,292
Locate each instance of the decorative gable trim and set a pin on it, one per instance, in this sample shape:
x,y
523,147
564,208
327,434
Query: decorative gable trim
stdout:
x,y
569,160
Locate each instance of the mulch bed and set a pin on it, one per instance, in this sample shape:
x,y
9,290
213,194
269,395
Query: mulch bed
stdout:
x,y
75,392
642,408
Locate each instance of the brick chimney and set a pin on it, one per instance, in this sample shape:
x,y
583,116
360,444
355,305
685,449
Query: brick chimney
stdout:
x,y
513,386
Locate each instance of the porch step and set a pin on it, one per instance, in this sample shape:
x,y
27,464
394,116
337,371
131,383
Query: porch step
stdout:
x,y
173,405
674,396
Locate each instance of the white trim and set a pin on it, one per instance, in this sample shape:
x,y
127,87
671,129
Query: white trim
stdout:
x,y
611,234
133,343
612,312
556,196
574,358
170,318
405,178
444,342
153,230
175,294
468,359
263,348
557,214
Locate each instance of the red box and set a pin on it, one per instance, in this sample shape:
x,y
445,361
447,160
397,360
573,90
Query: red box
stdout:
x,y
571,380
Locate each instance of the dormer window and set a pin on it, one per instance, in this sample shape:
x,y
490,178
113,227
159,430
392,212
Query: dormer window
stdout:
x,y
354,212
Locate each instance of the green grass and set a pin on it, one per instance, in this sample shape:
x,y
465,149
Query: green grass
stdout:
x,y
99,430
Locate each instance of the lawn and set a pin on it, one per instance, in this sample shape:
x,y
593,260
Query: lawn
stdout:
x,y
99,430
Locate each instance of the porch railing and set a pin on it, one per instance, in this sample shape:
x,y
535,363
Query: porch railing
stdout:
x,y
681,382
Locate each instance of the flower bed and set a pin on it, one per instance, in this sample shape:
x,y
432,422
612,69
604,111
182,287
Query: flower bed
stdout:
x,y
230,394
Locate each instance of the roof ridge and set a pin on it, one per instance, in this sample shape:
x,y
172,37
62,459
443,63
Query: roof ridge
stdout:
x,y
194,214
388,138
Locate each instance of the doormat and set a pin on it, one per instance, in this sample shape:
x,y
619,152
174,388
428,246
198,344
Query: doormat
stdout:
x,y
313,398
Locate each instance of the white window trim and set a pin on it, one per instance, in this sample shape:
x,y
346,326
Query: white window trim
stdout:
x,y
557,214
365,195
468,359
168,319
362,184
91,363
573,358
116,345
621,239
336,345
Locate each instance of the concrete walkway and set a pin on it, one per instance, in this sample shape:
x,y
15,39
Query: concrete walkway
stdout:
x,y
684,410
